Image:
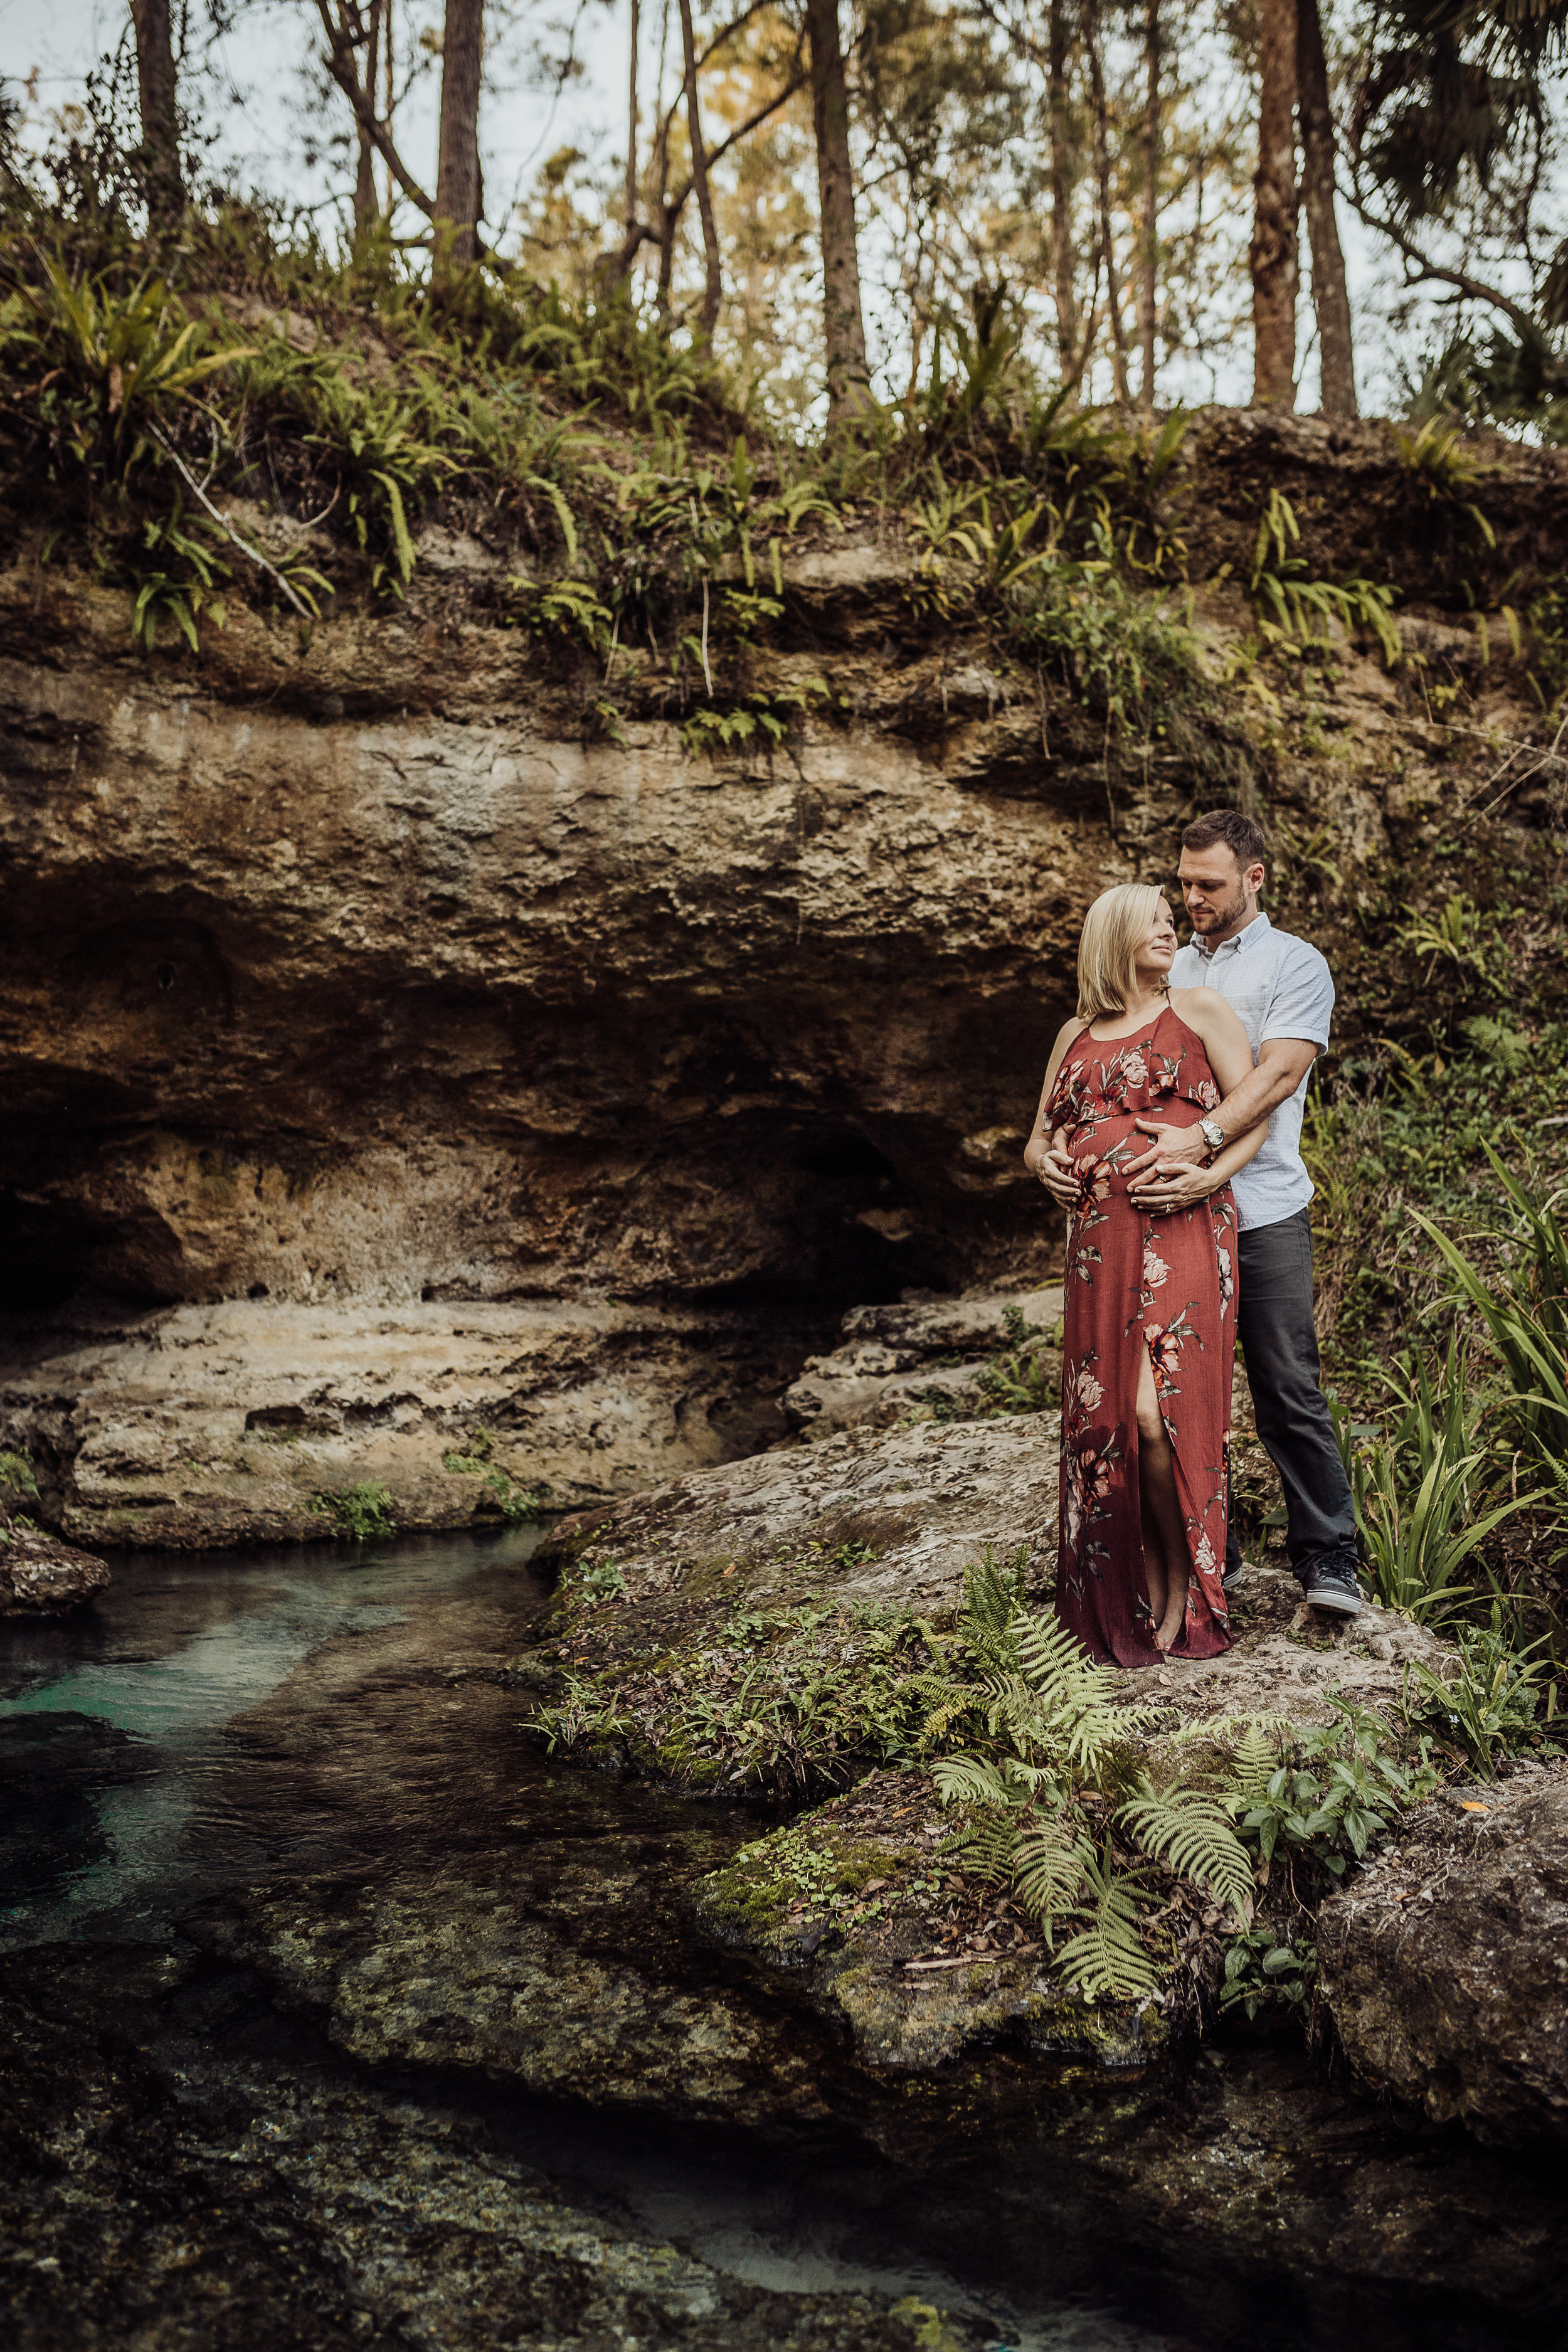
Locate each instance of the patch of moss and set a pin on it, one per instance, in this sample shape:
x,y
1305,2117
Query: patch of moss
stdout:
x,y
806,1862
710,1576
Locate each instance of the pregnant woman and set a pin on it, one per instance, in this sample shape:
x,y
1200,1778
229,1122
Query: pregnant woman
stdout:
x,y
1150,1296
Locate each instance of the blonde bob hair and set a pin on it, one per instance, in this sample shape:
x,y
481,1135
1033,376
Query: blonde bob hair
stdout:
x,y
1114,928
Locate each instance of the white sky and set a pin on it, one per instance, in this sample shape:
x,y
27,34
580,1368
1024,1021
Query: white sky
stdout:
x,y
52,48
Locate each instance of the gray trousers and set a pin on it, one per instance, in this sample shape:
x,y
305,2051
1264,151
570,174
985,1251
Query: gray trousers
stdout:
x,y
1280,1347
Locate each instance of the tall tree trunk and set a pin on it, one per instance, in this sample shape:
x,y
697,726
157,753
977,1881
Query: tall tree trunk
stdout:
x,y
1331,295
1149,254
365,206
843,325
631,207
1102,182
457,167
1276,229
713,283
158,93
1063,175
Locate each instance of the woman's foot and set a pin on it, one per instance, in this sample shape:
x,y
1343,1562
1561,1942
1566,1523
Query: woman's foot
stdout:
x,y
1168,1632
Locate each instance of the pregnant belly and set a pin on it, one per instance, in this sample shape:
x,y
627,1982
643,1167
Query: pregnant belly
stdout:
x,y
1103,1151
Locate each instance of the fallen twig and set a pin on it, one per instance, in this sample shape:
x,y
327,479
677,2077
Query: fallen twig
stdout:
x,y
225,524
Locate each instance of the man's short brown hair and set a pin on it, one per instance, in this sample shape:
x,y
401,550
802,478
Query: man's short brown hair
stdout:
x,y
1243,836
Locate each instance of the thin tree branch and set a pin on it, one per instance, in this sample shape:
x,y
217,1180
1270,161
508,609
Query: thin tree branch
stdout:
x,y
726,34
343,67
224,523
639,234
1473,288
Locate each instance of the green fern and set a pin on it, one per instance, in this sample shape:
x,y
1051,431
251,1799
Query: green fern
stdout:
x,y
1194,1835
1257,1760
985,1845
1075,1700
971,1780
995,1595
1107,1959
1048,1866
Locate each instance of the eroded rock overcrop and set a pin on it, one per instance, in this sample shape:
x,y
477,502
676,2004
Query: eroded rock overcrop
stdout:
x,y
359,968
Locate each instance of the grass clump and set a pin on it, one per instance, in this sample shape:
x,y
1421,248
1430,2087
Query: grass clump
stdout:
x,y
359,1514
787,1702
475,1459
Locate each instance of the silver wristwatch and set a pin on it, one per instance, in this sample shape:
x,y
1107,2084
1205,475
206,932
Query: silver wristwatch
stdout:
x,y
1213,1135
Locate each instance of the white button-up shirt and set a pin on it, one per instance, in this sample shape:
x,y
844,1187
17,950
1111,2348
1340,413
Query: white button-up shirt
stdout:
x,y
1279,987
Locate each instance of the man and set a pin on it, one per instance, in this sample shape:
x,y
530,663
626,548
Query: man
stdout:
x,y
1284,995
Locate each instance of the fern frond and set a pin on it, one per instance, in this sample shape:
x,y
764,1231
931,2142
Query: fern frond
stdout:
x,y
1194,1834
984,1844
1257,1760
1048,1869
994,1595
1224,1730
971,1780
1107,1957
1058,1665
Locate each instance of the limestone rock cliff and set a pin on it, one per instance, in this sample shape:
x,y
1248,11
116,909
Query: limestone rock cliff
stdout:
x,y
357,970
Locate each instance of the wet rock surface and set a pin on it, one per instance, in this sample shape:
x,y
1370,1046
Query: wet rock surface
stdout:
x,y
38,1575
1445,1963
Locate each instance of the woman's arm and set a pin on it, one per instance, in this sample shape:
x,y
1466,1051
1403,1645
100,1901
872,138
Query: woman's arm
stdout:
x,y
1041,1140
1205,1011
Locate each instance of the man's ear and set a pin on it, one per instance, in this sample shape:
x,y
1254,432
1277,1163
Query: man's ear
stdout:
x,y
1254,879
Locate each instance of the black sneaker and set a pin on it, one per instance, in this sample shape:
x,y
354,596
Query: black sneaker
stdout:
x,y
1231,1580
1331,1584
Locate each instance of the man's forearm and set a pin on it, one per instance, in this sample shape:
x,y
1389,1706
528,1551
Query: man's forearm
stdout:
x,y
1246,1108
1249,1104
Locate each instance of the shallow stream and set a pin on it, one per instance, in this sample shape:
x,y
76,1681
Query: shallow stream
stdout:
x,y
216,1778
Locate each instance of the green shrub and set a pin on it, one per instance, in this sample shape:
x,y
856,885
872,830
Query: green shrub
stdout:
x,y
360,1514
1262,1970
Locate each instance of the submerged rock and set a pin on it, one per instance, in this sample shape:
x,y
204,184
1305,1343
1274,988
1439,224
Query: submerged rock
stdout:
x,y
1445,1963
39,1576
196,2176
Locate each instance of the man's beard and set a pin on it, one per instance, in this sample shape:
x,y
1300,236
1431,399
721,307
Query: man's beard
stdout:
x,y
1218,916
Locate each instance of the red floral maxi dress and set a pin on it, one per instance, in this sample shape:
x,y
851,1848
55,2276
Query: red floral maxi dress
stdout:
x,y
1134,1281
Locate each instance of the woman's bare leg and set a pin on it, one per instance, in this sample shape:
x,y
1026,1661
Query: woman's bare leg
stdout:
x,y
1153,1553
1159,1506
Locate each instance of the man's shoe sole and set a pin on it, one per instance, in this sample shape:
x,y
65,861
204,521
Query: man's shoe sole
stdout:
x,y
1341,1603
